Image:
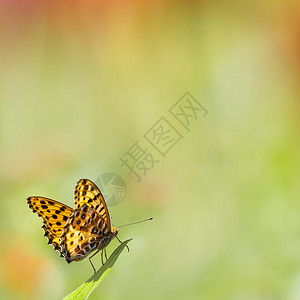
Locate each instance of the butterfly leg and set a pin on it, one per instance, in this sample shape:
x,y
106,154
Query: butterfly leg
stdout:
x,y
105,254
91,260
102,257
122,243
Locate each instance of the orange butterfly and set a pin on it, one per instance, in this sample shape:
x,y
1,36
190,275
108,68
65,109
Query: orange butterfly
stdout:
x,y
75,233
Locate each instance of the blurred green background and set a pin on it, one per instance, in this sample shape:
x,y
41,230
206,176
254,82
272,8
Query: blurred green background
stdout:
x,y
80,82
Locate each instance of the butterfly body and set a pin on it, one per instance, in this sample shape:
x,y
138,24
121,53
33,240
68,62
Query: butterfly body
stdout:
x,y
88,231
75,233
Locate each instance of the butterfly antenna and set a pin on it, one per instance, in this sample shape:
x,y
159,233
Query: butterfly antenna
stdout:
x,y
131,224
136,222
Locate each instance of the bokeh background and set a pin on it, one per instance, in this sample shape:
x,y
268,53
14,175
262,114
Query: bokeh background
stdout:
x,y
81,81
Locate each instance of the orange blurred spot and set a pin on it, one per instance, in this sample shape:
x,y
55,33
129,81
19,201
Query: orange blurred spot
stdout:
x,y
21,268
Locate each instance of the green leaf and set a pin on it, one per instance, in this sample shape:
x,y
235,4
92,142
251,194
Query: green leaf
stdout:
x,y
86,288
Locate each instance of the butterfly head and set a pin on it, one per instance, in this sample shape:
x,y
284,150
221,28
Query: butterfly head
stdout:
x,y
114,231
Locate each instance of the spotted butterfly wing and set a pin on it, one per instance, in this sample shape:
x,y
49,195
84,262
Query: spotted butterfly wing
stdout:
x,y
88,227
76,233
84,232
86,192
54,215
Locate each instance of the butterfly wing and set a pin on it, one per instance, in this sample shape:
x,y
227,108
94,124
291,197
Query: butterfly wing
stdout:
x,y
86,192
76,233
85,231
54,215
